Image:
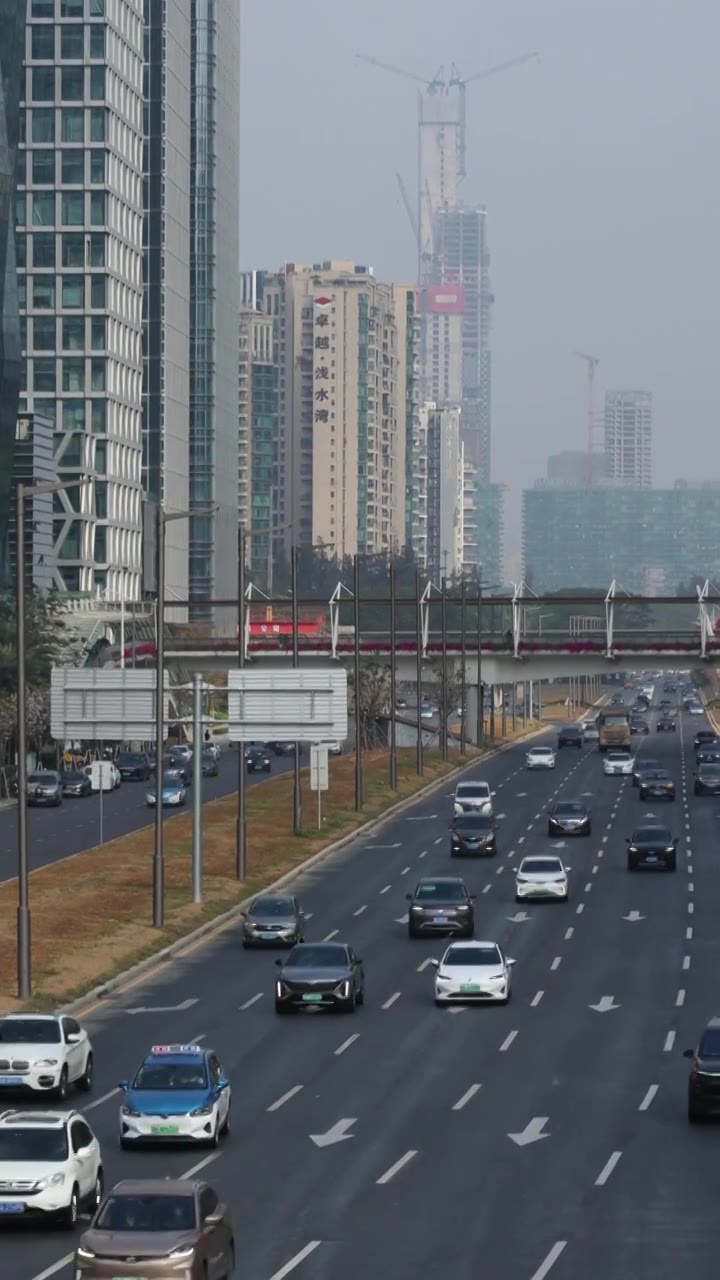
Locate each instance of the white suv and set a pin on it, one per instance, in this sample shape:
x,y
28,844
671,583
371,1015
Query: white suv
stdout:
x,y
473,797
50,1166
44,1053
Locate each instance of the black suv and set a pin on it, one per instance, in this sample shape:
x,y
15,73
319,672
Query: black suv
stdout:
x,y
133,766
258,760
704,738
707,780
704,1082
666,724
441,904
570,736
569,818
320,975
473,833
652,847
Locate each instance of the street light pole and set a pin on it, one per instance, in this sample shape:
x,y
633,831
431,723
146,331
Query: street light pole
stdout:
x,y
358,723
480,726
241,838
24,921
418,676
463,690
393,681
297,783
444,709
158,868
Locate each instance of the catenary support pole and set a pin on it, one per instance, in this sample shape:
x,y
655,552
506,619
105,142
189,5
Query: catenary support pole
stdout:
x,y
241,834
197,813
444,708
158,876
463,681
358,691
24,945
393,681
418,677
297,779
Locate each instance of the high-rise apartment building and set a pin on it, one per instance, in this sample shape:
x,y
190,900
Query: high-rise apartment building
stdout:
x,y
345,350
577,466
166,274
258,422
483,526
33,463
445,480
214,299
628,437
12,57
79,242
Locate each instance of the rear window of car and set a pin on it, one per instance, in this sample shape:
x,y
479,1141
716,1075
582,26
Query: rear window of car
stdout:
x,y
541,865
472,790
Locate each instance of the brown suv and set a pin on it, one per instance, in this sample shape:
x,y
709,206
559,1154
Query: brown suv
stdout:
x,y
155,1227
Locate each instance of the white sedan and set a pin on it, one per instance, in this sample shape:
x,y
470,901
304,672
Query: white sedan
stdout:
x,y
473,971
541,877
44,1053
540,758
618,764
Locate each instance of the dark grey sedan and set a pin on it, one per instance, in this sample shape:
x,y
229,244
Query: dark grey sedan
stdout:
x,y
76,783
209,764
273,920
45,789
441,905
320,975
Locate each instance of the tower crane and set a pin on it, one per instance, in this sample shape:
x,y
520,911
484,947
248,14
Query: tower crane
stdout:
x,y
591,363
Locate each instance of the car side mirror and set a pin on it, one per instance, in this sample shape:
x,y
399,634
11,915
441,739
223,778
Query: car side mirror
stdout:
x,y
435,964
509,961
627,839
472,897
279,964
72,1038
515,870
689,1053
124,1085
223,1084
214,1219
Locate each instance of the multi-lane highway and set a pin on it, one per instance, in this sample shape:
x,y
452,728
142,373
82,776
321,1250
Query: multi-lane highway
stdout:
x,y
548,1138
58,833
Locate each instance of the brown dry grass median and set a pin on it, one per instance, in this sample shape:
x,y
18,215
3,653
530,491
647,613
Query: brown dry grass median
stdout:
x,y
91,913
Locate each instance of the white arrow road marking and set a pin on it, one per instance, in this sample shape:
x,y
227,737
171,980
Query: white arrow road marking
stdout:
x,y
424,965
519,918
546,1267
633,917
462,1102
337,1133
605,1005
403,920
649,815
295,1262
500,817
457,1008
533,1132
167,1008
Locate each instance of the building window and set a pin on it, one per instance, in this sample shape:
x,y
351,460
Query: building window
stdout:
x,y
72,124
43,124
98,411
101,499
101,543
43,84
97,41
73,208
20,252
97,250
73,333
97,292
42,42
73,168
20,210
97,333
73,292
44,334
97,124
73,415
97,375
97,209
73,375
43,209
97,166
43,249
44,374
72,84
42,9
97,8
44,293
43,168
72,42
97,83
71,8
73,249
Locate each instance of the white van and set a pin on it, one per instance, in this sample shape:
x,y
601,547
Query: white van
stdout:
x,y
473,797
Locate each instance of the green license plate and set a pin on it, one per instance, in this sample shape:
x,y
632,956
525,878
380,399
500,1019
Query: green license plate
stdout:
x,y
165,1128
470,986
311,998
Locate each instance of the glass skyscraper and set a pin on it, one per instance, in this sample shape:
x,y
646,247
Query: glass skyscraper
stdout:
x,y
12,28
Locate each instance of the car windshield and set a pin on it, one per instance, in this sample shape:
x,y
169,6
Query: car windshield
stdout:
x,y
656,775
43,779
75,776
472,955
652,835
171,1075
710,1044
442,890
534,865
23,1145
709,771
317,957
29,1031
473,790
474,822
170,781
619,757
147,1213
648,765
541,751
273,907
570,807
571,731
131,757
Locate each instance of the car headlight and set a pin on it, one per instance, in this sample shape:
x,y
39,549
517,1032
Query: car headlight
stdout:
x,y
464,906
46,1062
418,908
522,880
444,977
207,1110
55,1180
85,1254
183,1251
343,990
129,1111
280,990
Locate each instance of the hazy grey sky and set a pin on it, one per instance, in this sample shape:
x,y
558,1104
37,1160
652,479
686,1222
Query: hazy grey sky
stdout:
x,y
599,167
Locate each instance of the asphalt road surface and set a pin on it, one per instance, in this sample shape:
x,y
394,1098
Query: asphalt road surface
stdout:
x,y
544,1139
57,833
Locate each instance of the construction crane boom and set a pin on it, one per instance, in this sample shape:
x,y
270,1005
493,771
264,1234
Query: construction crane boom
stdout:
x,y
408,208
438,80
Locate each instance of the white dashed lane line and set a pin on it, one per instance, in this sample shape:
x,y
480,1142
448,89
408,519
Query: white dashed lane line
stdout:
x,y
647,1100
556,963
507,1042
669,1041
388,1003
606,1172
467,1097
536,999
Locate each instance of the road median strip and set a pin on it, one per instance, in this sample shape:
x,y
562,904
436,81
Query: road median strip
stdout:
x,y
91,914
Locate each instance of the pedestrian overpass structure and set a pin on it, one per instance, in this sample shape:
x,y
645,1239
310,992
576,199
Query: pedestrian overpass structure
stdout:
x,y
498,639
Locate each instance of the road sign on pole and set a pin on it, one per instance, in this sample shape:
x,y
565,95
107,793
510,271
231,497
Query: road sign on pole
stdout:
x,y
301,704
319,774
112,706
